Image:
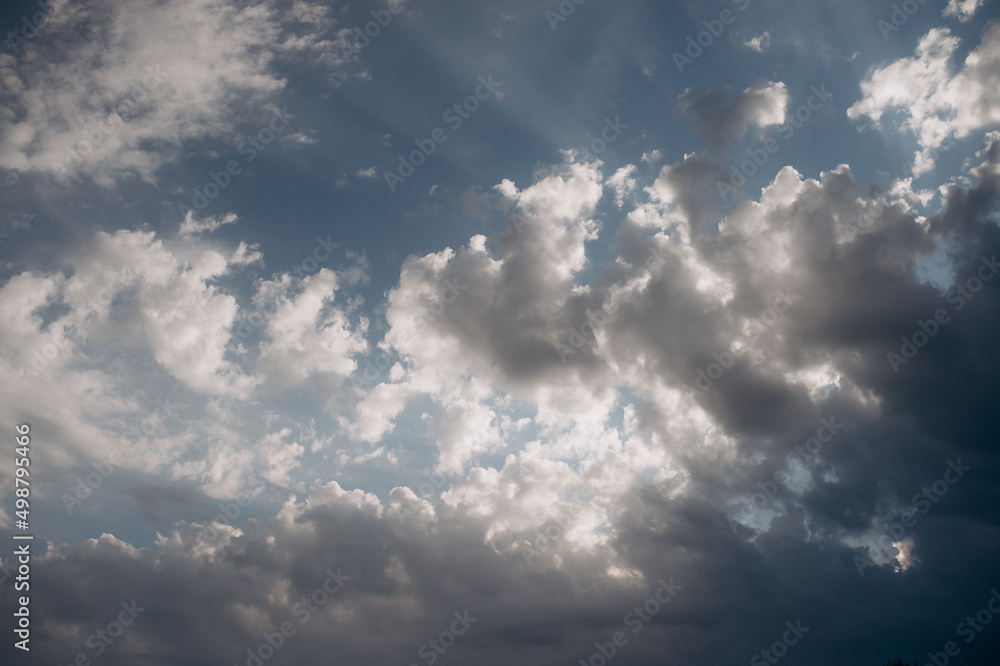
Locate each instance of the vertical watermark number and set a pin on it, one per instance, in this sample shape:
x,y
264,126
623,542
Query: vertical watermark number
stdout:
x,y
22,493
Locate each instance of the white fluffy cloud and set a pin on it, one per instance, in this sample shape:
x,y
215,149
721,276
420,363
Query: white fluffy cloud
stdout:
x,y
136,331
454,314
307,333
962,9
936,103
464,429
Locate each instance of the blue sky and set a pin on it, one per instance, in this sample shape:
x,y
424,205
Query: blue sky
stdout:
x,y
566,321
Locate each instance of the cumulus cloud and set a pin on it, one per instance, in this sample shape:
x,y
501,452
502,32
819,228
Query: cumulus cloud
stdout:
x,y
307,334
464,316
597,397
465,429
935,102
130,295
963,10
652,157
602,496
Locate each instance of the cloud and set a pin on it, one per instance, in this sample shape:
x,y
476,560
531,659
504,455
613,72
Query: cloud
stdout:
x,y
652,157
192,227
623,182
620,474
307,334
108,89
464,430
131,323
132,282
373,417
759,43
962,9
597,397
758,106
301,138
460,312
936,105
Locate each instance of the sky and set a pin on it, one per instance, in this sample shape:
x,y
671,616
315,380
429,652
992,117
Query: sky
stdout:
x,y
550,332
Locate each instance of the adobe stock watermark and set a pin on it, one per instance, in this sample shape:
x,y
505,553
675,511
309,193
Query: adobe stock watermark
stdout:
x,y
528,210
713,30
922,502
230,511
960,295
779,648
303,612
40,358
372,29
85,487
121,110
969,628
782,300
549,534
102,639
30,26
149,424
566,9
250,147
901,13
246,325
425,491
761,153
321,252
769,489
866,220
636,619
876,207
609,134
656,258
455,116
432,650
447,295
